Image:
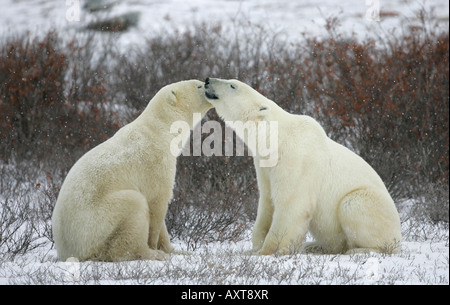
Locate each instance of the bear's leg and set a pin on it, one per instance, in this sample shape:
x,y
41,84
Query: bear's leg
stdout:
x,y
264,214
262,224
158,209
289,227
164,240
370,222
128,241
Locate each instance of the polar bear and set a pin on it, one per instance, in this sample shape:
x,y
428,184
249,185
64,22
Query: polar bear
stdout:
x,y
113,202
316,185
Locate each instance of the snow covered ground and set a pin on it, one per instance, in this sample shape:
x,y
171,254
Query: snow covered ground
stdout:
x,y
425,255
424,261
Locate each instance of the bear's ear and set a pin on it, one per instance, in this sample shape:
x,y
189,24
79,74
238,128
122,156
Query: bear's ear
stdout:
x,y
262,112
173,98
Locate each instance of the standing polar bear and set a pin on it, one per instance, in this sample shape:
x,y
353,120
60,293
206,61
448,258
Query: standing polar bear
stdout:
x,y
316,185
113,202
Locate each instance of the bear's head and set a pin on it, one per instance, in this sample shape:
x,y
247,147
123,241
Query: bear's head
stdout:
x,y
186,98
236,101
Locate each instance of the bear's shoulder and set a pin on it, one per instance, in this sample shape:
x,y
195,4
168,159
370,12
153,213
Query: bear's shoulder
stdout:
x,y
307,123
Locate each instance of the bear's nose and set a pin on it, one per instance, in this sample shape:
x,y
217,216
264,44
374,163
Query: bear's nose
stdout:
x,y
206,82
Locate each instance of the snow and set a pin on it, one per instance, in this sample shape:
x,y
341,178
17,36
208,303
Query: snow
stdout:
x,y
425,255
287,16
424,262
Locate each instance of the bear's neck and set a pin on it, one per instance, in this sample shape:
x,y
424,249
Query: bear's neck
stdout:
x,y
159,120
159,114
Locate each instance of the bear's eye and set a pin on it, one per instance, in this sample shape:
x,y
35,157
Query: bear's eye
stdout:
x,y
232,87
199,86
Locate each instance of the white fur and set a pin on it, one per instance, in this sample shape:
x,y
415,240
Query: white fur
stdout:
x,y
317,184
113,202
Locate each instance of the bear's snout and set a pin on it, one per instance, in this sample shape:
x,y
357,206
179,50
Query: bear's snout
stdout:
x,y
209,91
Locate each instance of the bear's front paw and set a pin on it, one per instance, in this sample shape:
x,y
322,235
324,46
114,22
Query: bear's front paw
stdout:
x,y
252,252
158,255
180,252
312,247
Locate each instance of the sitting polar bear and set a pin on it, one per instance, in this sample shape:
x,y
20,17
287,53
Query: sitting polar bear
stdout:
x,y
113,202
316,185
